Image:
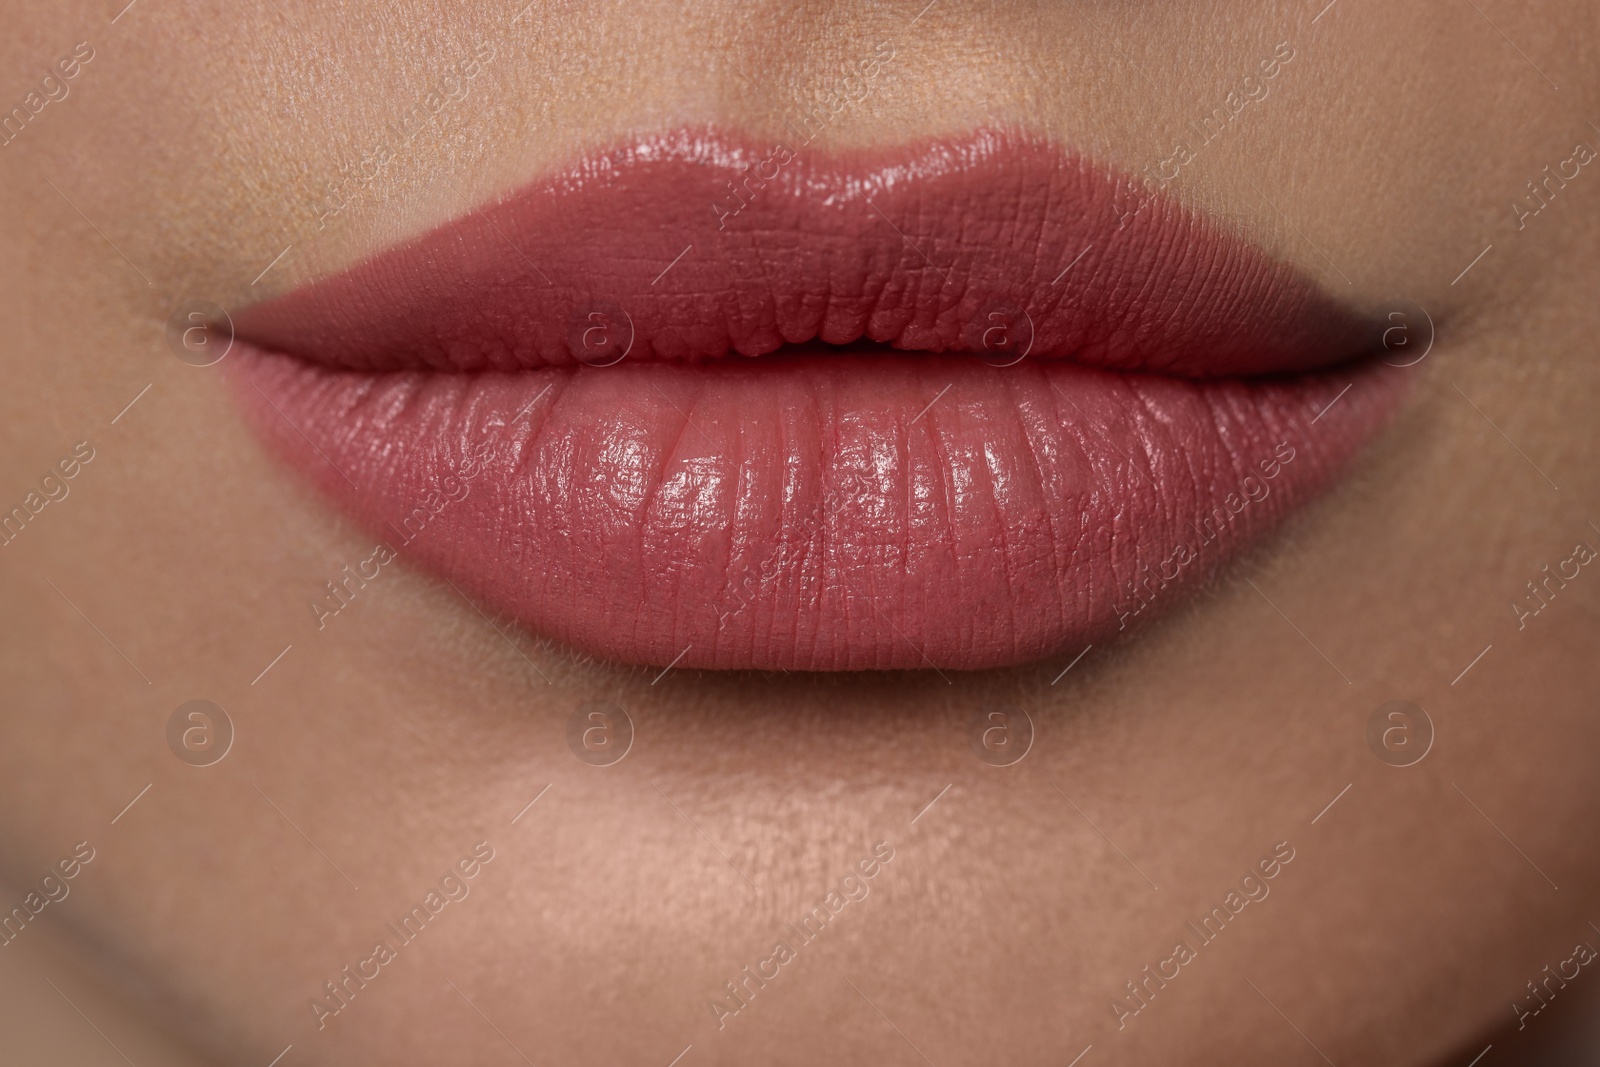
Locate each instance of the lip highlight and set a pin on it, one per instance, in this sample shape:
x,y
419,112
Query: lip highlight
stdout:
x,y
957,404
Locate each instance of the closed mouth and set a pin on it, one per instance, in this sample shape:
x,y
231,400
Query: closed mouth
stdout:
x,y
958,404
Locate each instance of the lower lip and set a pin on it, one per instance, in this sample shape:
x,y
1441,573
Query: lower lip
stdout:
x,y
820,513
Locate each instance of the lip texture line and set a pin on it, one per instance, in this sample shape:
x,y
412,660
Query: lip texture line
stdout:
x,y
835,504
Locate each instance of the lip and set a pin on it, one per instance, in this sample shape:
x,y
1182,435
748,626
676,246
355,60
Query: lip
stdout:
x,y
1003,402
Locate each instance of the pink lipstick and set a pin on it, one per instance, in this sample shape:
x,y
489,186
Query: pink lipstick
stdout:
x,y
956,404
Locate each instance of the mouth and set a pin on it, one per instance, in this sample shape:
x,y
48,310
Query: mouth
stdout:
x,y
698,401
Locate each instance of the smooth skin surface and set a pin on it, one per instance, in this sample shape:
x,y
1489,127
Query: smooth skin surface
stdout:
x,y
1387,160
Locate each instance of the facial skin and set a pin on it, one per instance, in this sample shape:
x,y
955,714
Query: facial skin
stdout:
x,y
1384,158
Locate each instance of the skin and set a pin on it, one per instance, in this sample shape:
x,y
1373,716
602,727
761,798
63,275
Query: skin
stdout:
x,y
1387,155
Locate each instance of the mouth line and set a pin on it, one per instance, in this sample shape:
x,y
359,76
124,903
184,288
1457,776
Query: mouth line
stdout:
x,y
954,405
998,358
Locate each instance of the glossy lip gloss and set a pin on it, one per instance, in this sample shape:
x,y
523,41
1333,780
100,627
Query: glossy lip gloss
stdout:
x,y
957,404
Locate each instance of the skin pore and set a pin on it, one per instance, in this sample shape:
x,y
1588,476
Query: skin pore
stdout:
x,y
191,158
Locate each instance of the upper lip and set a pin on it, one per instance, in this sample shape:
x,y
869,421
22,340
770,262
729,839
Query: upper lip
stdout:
x,y
696,246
